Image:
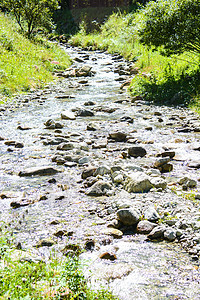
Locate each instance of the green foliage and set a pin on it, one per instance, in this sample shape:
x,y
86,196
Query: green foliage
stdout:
x,y
31,14
26,64
59,278
172,24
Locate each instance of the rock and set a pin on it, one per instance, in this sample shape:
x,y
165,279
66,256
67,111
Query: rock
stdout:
x,y
158,182
170,234
19,145
118,136
151,214
117,177
137,151
65,146
109,256
102,170
85,113
51,124
45,243
83,160
137,182
84,71
157,233
126,119
160,162
68,115
190,183
194,165
128,216
88,172
170,154
145,227
100,188
116,233
166,168
41,171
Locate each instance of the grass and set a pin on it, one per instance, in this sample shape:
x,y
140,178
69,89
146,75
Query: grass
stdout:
x,y
26,64
56,279
163,80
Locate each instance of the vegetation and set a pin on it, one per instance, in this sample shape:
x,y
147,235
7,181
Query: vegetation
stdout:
x,y
29,280
173,25
168,80
31,14
26,64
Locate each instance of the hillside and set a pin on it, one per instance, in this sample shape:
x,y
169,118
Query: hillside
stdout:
x,y
26,64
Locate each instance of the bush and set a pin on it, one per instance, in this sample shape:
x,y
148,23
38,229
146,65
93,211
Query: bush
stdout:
x,y
172,24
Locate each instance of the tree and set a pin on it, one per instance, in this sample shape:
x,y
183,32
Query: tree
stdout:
x,y
172,24
31,14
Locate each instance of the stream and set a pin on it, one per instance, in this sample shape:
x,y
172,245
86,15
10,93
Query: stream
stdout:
x,y
89,120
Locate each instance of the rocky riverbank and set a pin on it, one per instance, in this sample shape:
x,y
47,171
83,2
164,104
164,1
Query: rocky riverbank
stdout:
x,y
84,165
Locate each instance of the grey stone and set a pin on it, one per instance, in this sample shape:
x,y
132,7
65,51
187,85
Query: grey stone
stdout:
x,y
100,188
41,171
145,227
151,214
158,182
128,216
68,115
170,234
157,233
137,182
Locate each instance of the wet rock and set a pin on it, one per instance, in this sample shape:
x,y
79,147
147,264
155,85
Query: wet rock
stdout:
x,y
72,248
194,165
128,216
65,146
116,233
51,124
170,154
137,182
83,160
118,136
117,177
151,214
157,233
126,119
100,188
84,113
84,71
20,203
91,127
19,145
45,243
89,103
40,171
108,255
188,182
160,162
89,245
68,115
102,170
145,227
170,234
166,168
158,182
88,172
22,128
136,151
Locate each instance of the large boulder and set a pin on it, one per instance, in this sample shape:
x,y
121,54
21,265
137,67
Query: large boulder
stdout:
x,y
100,188
137,182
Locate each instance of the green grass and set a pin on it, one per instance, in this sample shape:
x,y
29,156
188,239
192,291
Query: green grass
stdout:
x,y
163,80
56,279
26,64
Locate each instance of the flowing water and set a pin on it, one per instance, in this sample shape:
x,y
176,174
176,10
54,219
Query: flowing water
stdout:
x,y
143,269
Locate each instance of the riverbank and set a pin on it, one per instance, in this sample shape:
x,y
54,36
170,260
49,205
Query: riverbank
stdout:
x,y
163,80
26,65
85,167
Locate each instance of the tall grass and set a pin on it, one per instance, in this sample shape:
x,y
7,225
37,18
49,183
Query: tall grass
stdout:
x,y
26,64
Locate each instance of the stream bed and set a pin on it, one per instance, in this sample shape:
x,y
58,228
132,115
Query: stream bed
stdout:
x,y
76,134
